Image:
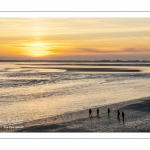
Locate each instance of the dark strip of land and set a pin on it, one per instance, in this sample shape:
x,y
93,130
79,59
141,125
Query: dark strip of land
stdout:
x,y
88,69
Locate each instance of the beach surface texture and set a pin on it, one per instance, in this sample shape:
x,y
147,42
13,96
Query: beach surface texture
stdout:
x,y
137,119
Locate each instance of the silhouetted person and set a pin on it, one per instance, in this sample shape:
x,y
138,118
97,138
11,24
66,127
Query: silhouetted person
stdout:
x,y
123,116
118,115
108,112
90,112
97,112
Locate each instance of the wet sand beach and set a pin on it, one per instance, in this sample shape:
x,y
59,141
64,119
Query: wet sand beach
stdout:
x,y
137,119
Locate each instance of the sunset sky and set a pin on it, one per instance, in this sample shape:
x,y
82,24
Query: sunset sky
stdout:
x,y
75,38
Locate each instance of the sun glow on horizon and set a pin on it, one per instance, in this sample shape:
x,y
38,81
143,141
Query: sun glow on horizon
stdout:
x,y
38,49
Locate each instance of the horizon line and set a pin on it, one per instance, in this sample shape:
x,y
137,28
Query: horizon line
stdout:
x,y
103,60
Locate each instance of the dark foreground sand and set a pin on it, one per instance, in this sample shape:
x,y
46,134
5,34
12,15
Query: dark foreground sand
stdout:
x,y
137,119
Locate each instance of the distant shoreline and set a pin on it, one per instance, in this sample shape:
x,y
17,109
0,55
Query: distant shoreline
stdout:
x,y
119,61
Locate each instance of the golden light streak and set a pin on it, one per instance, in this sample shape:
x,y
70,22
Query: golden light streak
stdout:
x,y
37,49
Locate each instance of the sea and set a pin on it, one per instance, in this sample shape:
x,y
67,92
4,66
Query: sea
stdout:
x,y
33,90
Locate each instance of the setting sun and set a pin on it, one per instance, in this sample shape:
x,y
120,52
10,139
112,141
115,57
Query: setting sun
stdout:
x,y
38,49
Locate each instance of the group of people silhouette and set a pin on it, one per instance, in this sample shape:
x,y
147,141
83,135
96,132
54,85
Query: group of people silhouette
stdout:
x,y
118,114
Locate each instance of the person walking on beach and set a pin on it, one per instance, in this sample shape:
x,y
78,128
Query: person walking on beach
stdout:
x,y
90,113
123,116
108,112
97,112
118,115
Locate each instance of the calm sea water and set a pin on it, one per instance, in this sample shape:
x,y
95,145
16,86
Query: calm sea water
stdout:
x,y
35,90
